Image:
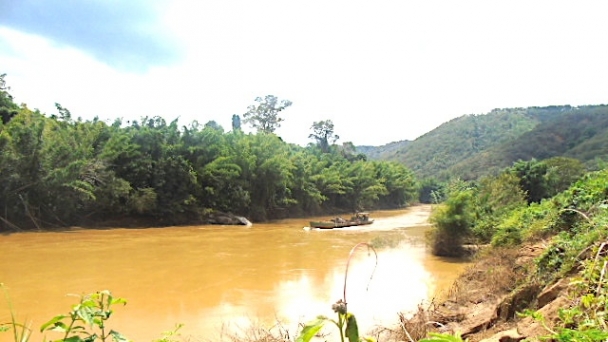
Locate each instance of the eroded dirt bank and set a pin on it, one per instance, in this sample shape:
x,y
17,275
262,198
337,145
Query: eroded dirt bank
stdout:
x,y
484,302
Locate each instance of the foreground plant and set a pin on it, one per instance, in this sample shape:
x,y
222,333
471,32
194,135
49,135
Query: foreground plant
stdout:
x,y
346,322
86,322
21,332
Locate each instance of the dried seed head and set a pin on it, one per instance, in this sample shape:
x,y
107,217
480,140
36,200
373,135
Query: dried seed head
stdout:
x,y
339,307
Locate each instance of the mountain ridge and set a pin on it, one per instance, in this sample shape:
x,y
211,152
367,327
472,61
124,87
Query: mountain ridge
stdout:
x,y
475,145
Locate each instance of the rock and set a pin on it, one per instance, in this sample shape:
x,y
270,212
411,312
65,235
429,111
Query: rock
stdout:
x,y
530,328
528,253
448,312
517,300
549,293
227,219
478,317
505,336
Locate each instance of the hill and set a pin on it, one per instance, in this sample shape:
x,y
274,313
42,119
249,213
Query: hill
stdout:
x,y
475,145
384,151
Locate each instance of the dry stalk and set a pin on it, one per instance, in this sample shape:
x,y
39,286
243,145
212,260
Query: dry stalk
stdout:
x,y
350,255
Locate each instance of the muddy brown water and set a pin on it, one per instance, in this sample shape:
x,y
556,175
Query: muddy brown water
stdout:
x,y
218,278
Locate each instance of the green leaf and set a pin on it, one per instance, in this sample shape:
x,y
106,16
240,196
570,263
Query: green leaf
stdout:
x,y
118,301
52,322
90,338
311,329
118,337
436,337
59,327
86,314
74,339
352,330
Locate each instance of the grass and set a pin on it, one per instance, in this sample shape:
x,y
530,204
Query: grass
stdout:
x,y
21,332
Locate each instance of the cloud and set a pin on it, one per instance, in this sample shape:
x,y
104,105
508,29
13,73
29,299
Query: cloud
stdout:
x,y
381,71
126,35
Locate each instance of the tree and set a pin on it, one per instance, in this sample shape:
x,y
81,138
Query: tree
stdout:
x,y
264,116
214,125
497,197
236,122
323,133
64,113
453,221
562,172
431,191
532,179
8,109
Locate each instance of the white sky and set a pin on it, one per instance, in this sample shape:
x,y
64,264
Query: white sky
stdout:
x,y
382,71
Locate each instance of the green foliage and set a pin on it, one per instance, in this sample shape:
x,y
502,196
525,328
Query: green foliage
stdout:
x,y
496,198
562,172
452,222
431,191
574,224
8,109
437,337
435,153
171,335
57,171
474,146
532,176
236,123
86,322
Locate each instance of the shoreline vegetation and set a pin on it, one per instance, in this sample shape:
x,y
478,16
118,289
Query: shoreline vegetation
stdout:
x,y
541,274
58,170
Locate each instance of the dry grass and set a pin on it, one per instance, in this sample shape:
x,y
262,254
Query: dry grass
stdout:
x,y
411,327
257,332
495,272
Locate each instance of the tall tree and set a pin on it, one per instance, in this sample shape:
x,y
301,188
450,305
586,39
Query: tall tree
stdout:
x,y
562,172
236,122
323,133
8,109
532,178
264,115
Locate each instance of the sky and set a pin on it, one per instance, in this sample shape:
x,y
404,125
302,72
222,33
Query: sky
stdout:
x,y
382,71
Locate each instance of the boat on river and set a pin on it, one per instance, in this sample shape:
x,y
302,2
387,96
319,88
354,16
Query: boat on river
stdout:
x,y
359,219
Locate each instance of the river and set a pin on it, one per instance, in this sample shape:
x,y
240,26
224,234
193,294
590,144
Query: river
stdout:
x,y
218,278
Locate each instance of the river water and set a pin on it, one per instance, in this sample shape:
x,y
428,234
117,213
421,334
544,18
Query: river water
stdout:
x,y
218,278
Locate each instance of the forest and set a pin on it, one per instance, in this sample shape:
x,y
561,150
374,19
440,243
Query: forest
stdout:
x,y
60,171
473,146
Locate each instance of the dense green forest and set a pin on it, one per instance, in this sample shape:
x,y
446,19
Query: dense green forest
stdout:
x,y
57,170
473,146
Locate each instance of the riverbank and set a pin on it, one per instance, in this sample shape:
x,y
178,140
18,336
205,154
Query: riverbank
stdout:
x,y
483,303
543,278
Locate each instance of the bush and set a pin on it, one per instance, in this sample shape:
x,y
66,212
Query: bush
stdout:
x,y
453,221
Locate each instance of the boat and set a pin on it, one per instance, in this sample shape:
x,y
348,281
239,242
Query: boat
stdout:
x,y
359,219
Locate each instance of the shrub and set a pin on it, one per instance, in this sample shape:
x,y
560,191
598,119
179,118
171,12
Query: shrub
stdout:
x,y
453,221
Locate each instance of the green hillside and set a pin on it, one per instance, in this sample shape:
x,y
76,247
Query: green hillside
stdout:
x,y
475,145
384,151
